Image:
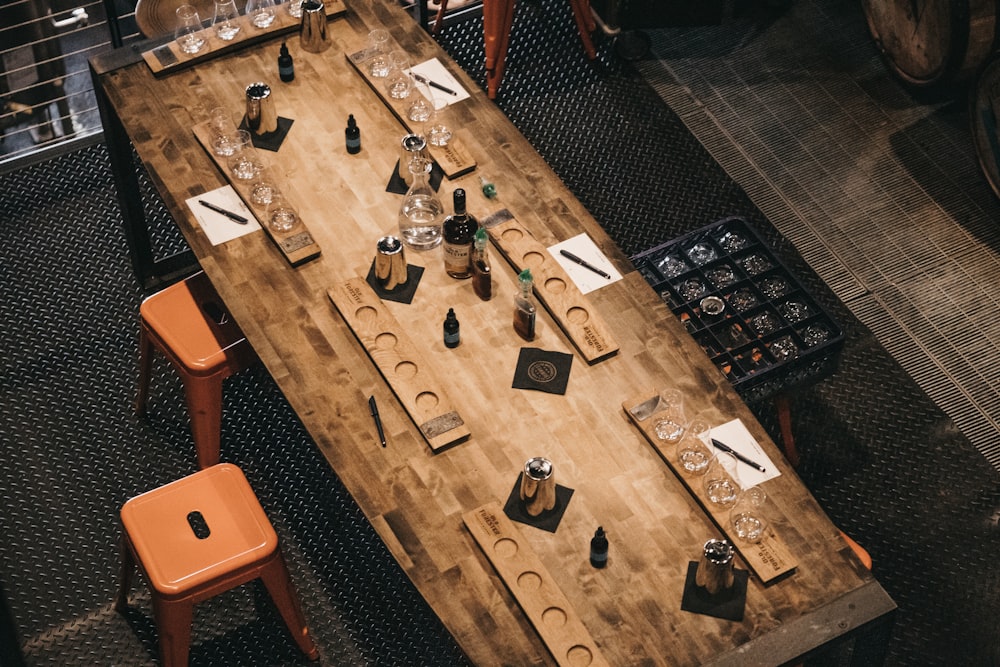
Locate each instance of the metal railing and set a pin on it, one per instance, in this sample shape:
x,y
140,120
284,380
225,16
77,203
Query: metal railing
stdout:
x,y
47,105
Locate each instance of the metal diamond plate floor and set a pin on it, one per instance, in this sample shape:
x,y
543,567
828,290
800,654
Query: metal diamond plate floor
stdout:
x,y
885,461
881,192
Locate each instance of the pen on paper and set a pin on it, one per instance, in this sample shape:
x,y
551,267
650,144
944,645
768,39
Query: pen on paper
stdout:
x,y
433,84
584,263
373,408
218,209
726,448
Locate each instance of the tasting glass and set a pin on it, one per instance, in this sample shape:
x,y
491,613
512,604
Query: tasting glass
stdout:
x,y
226,19
702,253
668,420
222,131
261,12
721,483
672,266
691,289
263,187
281,215
419,110
243,161
295,8
732,241
438,133
749,515
398,82
693,454
378,53
188,30
794,311
814,334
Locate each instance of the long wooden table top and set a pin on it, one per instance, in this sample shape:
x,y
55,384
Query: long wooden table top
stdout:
x,y
416,498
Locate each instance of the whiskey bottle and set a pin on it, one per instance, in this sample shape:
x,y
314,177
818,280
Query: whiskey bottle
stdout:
x,y
459,231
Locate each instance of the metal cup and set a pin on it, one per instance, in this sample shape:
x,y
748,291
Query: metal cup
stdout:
x,y
715,569
390,263
261,115
312,30
411,146
538,486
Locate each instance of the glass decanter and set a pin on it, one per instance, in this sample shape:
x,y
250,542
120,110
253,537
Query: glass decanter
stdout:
x,y
421,213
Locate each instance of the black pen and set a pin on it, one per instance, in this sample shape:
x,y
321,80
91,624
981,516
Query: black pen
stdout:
x,y
373,408
218,209
585,264
726,448
433,84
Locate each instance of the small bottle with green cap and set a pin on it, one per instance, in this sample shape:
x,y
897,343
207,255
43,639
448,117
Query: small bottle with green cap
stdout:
x,y
479,263
524,306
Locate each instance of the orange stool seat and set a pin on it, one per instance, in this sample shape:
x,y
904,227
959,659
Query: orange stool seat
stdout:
x,y
198,537
189,325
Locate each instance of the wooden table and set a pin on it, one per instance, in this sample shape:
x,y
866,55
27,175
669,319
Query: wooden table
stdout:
x,y
416,498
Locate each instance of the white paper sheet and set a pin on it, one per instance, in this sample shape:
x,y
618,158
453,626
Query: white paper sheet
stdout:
x,y
217,227
584,247
434,71
736,435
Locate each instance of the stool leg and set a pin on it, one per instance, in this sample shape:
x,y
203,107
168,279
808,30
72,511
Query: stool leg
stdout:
x,y
784,409
145,369
204,401
279,586
173,625
439,19
125,573
585,25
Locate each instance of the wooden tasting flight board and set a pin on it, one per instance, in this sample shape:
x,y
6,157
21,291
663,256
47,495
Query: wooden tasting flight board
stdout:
x,y
554,288
454,159
411,377
771,558
297,244
545,605
169,58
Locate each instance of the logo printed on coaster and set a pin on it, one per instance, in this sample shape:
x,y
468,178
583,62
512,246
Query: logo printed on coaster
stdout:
x,y
542,371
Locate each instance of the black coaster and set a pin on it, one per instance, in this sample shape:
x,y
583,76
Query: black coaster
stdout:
x,y
402,293
272,140
399,186
547,520
542,370
725,604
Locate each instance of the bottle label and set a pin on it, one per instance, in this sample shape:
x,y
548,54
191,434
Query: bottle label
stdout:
x,y
456,257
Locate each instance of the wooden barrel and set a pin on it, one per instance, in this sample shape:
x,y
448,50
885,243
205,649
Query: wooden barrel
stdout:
x,y
931,43
984,119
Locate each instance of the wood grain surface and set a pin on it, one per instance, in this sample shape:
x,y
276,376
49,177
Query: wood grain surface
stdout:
x,y
454,158
155,17
416,498
555,289
768,560
296,244
408,371
533,587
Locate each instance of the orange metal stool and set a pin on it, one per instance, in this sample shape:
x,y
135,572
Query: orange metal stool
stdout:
x,y
859,551
196,538
189,325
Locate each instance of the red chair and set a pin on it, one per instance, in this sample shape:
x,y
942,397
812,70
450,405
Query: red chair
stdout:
x,y
196,538
188,324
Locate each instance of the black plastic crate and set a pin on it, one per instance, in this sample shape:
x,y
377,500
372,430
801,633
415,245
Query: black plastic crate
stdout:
x,y
770,334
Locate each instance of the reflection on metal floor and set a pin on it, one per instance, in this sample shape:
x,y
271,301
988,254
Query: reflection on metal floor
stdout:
x,y
881,192
887,464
